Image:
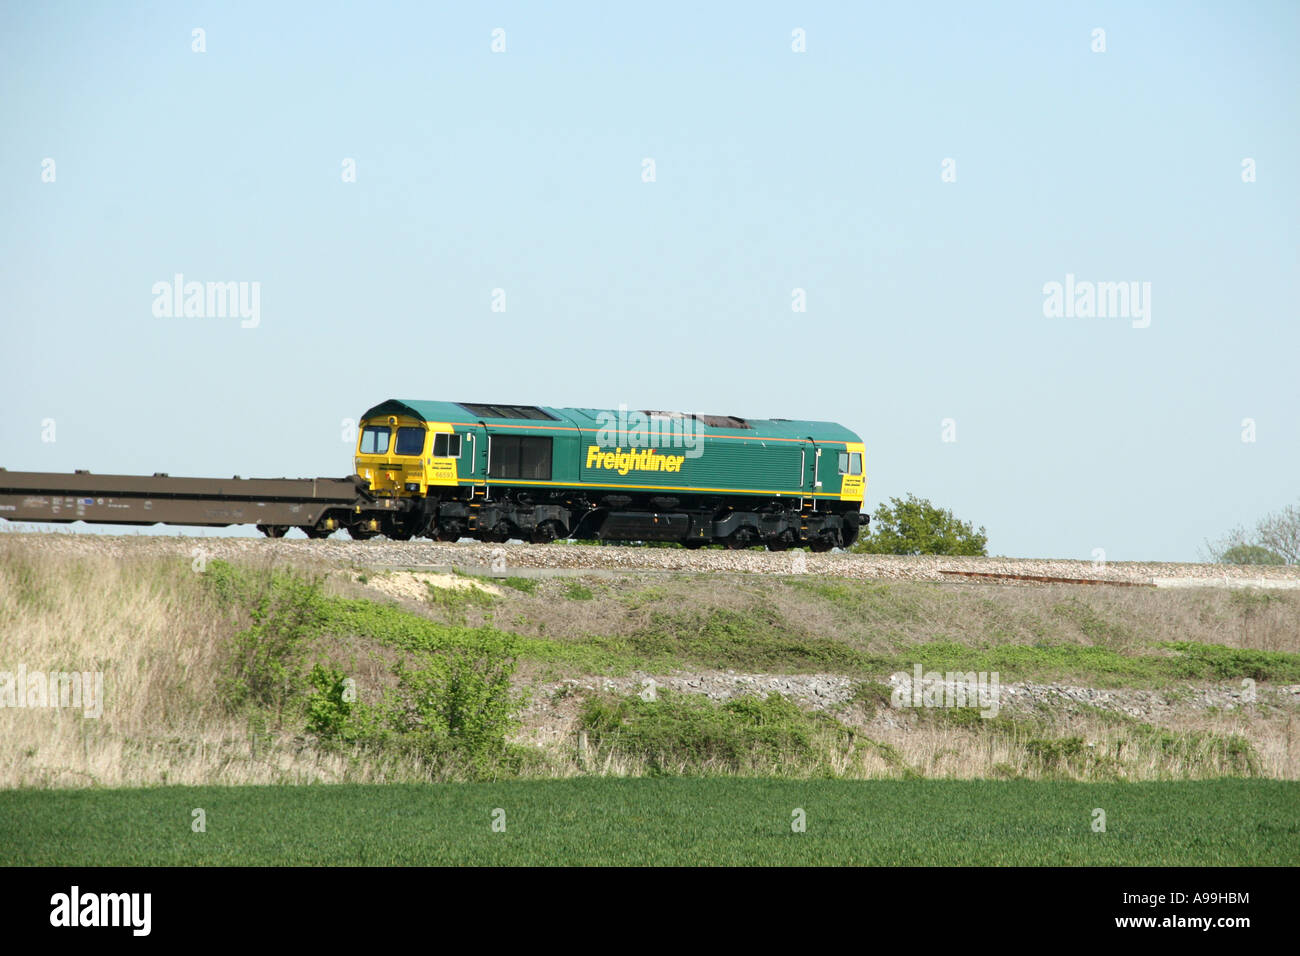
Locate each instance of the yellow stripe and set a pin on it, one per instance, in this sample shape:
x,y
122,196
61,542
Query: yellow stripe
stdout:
x,y
592,484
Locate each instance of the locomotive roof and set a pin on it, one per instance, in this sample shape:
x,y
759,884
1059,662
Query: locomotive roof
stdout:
x,y
544,417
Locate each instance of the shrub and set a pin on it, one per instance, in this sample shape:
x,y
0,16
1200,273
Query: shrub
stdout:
x,y
1250,554
688,732
268,665
915,526
453,703
459,702
332,712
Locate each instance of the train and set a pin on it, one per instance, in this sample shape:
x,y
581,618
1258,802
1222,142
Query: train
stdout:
x,y
496,472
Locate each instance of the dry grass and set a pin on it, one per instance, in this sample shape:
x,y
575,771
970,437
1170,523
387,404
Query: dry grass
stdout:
x,y
881,618
157,637
1185,748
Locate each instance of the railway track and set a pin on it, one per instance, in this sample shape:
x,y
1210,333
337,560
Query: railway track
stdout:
x,y
1046,578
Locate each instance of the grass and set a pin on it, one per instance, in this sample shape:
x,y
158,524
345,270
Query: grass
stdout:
x,y
1158,666
578,592
524,585
1121,619
662,822
1108,637
456,601
762,641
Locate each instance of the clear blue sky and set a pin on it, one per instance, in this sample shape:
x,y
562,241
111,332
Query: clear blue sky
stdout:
x,y
775,170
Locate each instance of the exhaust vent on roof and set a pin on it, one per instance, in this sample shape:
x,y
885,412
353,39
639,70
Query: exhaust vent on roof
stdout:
x,y
527,412
713,421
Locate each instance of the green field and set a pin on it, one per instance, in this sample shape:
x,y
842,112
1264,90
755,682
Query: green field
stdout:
x,y
657,821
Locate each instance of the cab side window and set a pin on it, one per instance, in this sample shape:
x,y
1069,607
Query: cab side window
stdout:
x,y
446,446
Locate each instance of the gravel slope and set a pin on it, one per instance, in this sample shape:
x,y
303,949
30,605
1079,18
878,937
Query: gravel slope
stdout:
x,y
516,558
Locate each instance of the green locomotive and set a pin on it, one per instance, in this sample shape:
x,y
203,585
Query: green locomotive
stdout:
x,y
495,472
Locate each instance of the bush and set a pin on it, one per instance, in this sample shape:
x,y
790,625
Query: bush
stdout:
x,y
267,670
1250,554
332,712
692,734
454,709
453,705
915,526
458,702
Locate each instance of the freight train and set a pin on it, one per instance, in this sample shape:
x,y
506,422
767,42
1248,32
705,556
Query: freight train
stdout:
x,y
495,472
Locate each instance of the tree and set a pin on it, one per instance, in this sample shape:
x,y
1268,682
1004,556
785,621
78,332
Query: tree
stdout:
x,y
1274,540
915,526
1280,533
1250,554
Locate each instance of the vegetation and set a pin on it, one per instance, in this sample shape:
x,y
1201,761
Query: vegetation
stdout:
x,y
1250,554
255,673
456,601
267,668
526,585
689,734
578,592
452,704
663,822
915,526
676,733
1275,539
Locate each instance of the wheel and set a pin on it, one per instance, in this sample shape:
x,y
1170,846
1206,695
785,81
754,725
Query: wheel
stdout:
x,y
546,532
824,542
316,533
782,542
397,535
446,535
693,544
358,533
740,539
273,530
